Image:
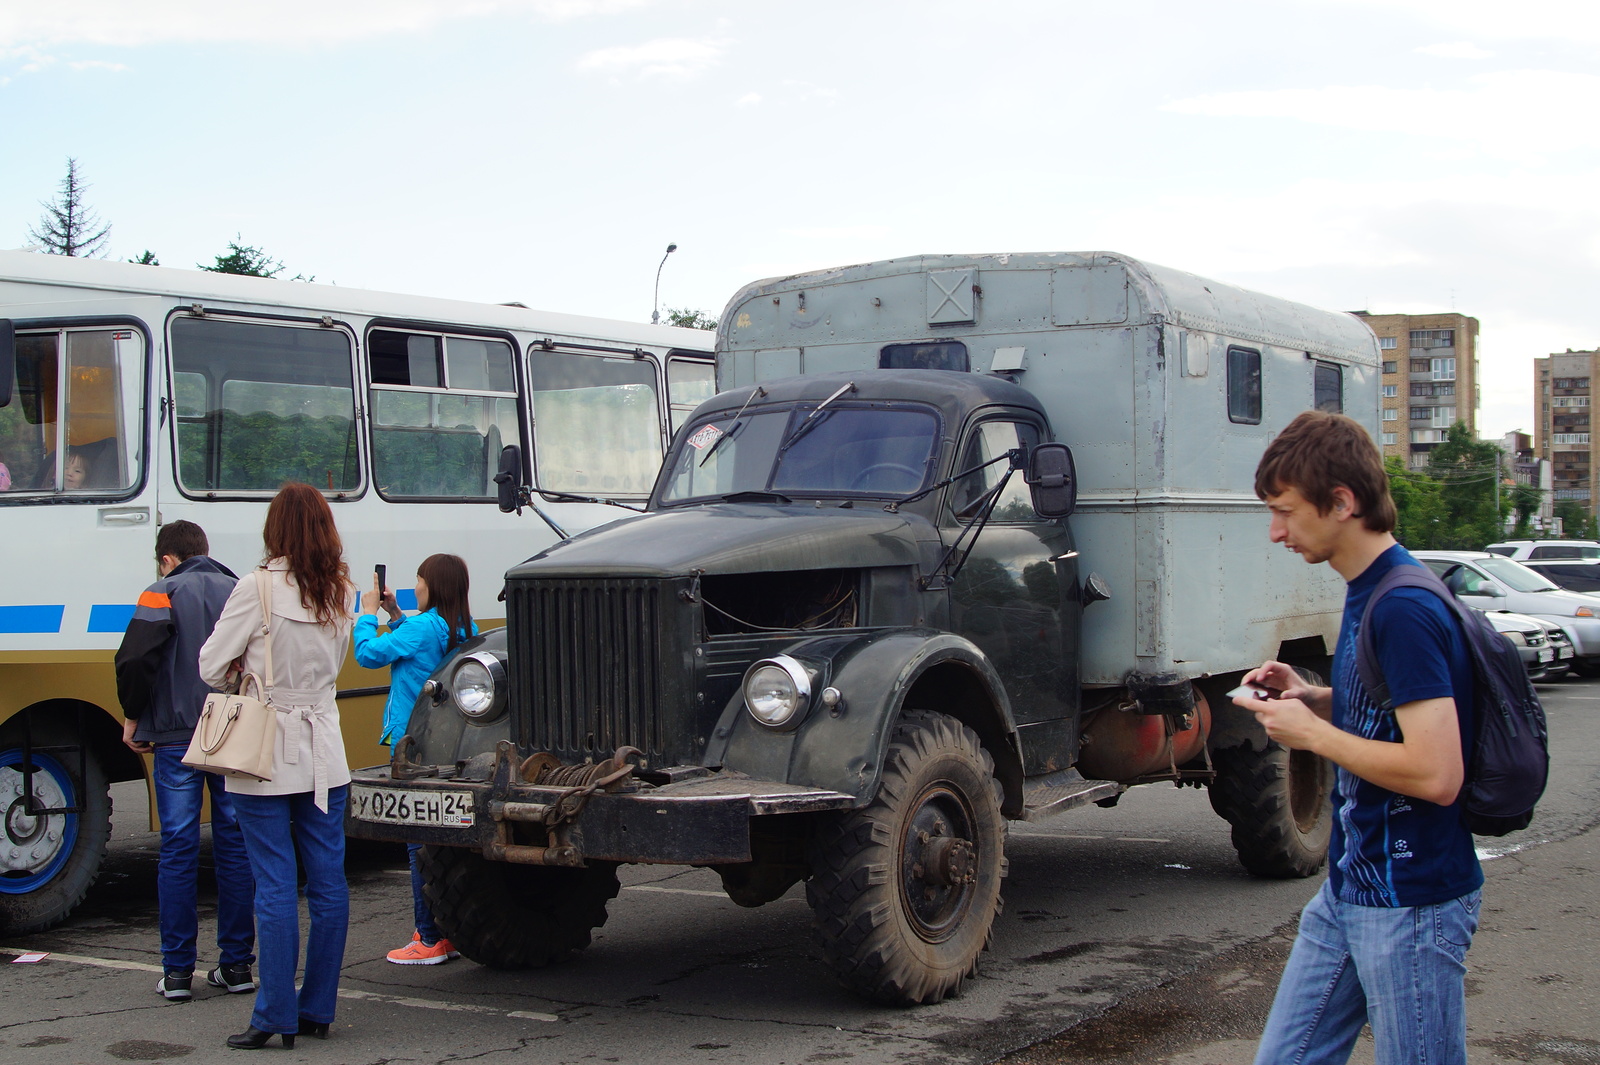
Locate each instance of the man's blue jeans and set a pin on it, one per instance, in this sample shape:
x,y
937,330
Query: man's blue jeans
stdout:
x,y
1402,969
179,793
275,827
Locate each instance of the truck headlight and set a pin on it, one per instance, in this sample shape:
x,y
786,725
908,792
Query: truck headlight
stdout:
x,y
777,691
478,686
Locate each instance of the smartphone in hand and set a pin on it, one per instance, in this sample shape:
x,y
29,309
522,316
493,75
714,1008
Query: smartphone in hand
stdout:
x,y
383,578
1254,691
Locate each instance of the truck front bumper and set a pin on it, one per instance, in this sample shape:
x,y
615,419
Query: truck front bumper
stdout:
x,y
704,820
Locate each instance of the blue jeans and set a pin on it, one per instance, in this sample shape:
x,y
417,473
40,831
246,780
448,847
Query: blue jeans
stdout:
x,y
419,902
1401,969
275,826
179,794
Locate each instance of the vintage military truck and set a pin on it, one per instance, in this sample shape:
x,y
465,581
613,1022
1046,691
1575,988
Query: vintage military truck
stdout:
x,y
963,539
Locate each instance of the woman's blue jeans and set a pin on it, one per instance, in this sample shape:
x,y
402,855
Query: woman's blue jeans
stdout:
x,y
419,902
1401,969
180,791
274,827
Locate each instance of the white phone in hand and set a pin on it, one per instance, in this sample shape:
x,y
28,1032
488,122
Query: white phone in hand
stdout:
x,y
1254,691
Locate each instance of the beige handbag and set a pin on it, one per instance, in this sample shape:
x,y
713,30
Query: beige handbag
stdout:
x,y
237,735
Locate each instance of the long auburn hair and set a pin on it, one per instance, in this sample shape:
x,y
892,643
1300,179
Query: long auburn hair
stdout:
x,y
300,529
447,593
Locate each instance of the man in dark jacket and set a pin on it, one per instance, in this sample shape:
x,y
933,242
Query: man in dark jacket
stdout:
x,y
159,686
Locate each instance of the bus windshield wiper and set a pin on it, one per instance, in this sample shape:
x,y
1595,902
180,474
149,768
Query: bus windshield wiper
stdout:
x,y
812,421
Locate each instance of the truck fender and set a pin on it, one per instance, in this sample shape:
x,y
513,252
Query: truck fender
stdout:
x,y
878,676
441,735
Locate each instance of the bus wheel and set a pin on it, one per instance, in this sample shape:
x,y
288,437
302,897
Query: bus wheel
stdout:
x,y
1278,802
905,891
510,916
49,860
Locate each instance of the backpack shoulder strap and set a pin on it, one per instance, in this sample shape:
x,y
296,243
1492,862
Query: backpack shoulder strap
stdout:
x,y
1402,576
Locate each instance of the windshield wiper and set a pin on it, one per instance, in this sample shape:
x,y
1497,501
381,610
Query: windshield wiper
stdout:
x,y
755,497
811,420
732,429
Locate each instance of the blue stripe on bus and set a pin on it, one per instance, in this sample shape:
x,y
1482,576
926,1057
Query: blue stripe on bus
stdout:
x,y
405,598
31,618
110,617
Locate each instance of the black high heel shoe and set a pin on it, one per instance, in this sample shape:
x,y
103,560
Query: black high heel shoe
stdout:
x,y
252,1038
316,1028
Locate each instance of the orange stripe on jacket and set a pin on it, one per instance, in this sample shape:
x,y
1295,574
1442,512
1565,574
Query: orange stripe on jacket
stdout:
x,y
155,600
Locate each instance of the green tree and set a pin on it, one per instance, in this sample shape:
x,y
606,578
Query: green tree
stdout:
x,y
244,259
1525,502
1419,509
146,258
1467,470
1576,521
690,319
69,227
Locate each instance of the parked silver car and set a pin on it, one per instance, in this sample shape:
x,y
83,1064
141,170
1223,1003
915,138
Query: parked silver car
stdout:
x,y
1531,639
1494,582
1523,550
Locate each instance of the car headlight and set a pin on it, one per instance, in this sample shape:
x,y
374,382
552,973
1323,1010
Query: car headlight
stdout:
x,y
478,686
1516,638
777,691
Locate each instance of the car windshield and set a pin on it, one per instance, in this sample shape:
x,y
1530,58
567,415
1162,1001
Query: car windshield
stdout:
x,y
840,450
1515,575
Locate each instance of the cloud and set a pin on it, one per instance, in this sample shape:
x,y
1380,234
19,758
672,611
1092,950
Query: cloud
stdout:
x,y
1560,20
118,23
1506,113
675,57
96,64
749,99
1454,50
862,232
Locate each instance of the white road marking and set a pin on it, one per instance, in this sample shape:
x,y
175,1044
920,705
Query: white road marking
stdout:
x,y
347,992
1113,839
676,891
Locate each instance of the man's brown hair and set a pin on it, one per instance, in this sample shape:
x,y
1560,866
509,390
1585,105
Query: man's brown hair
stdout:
x,y
182,540
1319,452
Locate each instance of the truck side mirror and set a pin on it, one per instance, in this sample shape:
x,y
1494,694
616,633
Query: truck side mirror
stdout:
x,y
1052,480
507,481
8,360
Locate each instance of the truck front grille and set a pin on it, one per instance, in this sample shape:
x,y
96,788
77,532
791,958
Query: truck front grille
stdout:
x,y
585,666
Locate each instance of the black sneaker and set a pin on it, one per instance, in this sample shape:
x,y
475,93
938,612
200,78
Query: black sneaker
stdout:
x,y
174,986
234,979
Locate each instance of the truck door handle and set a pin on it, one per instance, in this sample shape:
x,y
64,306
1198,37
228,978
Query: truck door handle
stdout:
x,y
126,516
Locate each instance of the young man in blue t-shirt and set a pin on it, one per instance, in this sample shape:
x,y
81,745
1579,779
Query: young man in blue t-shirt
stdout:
x,y
1385,939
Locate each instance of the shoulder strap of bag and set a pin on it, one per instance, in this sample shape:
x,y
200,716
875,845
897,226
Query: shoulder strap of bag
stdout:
x,y
264,591
1402,576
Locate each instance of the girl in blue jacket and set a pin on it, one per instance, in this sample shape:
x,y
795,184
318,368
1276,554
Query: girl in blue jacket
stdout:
x,y
413,648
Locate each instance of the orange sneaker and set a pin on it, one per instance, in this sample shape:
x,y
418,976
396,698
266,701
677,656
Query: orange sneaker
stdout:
x,y
415,953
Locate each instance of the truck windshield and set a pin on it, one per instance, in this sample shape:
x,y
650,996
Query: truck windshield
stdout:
x,y
843,451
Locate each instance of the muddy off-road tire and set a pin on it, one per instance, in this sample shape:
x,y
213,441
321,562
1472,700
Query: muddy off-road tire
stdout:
x,y
1278,802
904,891
50,860
509,916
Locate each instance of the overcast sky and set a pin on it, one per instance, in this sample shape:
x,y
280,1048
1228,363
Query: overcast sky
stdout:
x,y
1389,155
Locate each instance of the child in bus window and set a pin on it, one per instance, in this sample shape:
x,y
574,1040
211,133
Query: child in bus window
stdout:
x,y
413,648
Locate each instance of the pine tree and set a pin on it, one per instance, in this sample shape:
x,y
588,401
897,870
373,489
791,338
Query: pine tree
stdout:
x,y
69,226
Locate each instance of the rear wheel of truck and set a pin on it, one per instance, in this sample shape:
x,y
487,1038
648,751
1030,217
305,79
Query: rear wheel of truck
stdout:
x,y
510,916
48,861
1277,801
905,891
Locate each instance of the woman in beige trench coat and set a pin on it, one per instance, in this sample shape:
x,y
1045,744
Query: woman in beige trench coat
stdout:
x,y
302,807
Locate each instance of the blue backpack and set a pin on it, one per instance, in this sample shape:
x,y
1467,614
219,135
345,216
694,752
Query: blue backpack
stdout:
x,y
1509,761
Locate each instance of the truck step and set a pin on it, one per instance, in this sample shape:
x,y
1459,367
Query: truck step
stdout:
x,y
1058,792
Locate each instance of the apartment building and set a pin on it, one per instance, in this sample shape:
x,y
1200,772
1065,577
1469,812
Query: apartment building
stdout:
x,y
1430,380
1562,389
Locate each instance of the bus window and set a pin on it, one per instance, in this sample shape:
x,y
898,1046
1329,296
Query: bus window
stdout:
x,y
74,423
442,408
578,400
261,404
1244,386
690,382
1327,388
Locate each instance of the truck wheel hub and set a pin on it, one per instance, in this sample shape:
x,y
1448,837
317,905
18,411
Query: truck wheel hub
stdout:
x,y
939,862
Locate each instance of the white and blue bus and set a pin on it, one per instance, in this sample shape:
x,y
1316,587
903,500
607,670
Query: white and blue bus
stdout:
x,y
135,395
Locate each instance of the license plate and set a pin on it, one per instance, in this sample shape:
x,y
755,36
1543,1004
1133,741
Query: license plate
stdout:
x,y
393,806
1547,654
1565,652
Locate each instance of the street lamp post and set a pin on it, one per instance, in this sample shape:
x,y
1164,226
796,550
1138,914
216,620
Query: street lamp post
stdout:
x,y
655,309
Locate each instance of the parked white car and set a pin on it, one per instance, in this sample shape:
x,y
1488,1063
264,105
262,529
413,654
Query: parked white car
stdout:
x,y
1523,550
1532,640
1494,582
